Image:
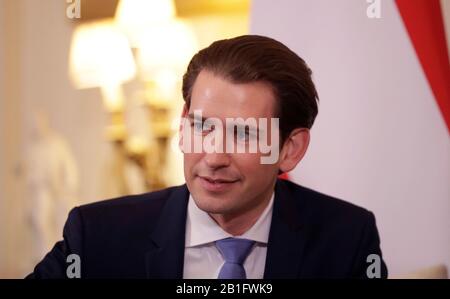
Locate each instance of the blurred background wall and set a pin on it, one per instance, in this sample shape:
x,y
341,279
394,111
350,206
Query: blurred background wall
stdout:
x,y
380,140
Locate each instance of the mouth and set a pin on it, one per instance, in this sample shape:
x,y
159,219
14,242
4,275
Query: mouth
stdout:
x,y
216,184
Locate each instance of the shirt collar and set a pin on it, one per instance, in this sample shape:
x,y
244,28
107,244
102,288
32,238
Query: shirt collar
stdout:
x,y
202,229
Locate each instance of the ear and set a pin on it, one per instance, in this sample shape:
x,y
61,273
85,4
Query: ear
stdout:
x,y
183,119
294,149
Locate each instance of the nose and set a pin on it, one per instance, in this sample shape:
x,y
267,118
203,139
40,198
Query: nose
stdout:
x,y
217,157
217,160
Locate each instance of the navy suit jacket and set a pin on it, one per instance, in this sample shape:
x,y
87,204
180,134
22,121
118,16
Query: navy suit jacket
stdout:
x,y
312,235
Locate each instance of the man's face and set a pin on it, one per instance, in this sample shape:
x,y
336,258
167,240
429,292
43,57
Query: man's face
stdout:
x,y
228,183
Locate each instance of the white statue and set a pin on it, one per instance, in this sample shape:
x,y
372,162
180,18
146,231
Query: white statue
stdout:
x,y
52,185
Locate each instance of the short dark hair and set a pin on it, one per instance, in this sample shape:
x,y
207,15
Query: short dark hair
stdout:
x,y
250,58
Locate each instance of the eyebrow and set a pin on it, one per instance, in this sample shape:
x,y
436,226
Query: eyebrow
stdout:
x,y
191,116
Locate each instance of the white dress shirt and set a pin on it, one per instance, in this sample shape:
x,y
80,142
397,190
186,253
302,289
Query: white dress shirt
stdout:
x,y
201,257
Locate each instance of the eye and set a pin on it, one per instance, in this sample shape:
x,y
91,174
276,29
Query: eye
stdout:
x,y
243,134
198,126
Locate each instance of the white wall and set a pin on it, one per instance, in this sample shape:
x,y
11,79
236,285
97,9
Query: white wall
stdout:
x,y
379,140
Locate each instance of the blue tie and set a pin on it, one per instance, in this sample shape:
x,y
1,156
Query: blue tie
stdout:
x,y
234,251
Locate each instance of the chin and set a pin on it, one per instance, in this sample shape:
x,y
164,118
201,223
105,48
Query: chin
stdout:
x,y
212,205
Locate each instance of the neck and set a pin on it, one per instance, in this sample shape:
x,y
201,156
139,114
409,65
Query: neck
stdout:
x,y
237,224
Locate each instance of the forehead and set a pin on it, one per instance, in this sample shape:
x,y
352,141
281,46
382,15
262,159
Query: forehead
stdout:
x,y
218,97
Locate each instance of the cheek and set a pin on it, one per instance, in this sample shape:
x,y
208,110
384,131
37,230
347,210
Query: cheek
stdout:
x,y
190,160
251,167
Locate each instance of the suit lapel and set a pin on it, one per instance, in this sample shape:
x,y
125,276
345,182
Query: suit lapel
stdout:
x,y
287,235
165,259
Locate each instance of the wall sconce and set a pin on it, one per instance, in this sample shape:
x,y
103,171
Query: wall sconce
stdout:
x,y
162,56
101,56
163,46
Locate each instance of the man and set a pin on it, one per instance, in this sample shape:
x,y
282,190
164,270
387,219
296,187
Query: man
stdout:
x,y
234,218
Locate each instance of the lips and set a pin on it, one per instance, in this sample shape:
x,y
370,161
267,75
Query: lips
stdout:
x,y
216,184
218,180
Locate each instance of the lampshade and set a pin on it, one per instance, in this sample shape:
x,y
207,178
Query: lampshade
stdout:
x,y
100,55
135,16
166,48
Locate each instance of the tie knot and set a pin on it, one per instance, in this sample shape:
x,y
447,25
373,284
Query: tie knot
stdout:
x,y
234,250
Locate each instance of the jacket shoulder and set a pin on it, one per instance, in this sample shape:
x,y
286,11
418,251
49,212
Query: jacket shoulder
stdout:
x,y
340,233
152,199
133,211
325,208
